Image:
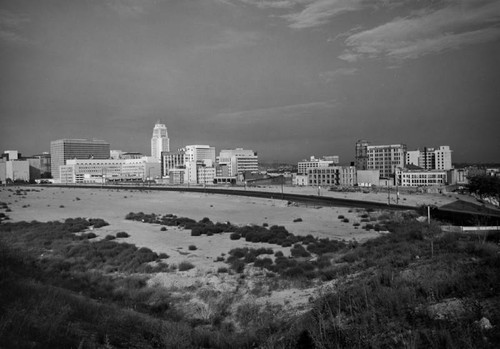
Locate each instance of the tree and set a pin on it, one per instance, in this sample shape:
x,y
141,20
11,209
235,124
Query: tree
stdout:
x,y
484,185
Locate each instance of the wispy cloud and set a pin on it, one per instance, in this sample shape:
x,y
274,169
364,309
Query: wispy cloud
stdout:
x,y
428,31
320,12
130,8
11,25
332,75
272,3
230,39
288,113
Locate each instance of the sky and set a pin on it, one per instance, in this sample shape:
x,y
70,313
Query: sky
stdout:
x,y
285,78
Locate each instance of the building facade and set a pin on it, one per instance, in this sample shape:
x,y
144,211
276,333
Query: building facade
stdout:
x,y
237,161
159,141
329,176
386,158
172,160
420,178
431,158
361,154
65,149
304,165
109,170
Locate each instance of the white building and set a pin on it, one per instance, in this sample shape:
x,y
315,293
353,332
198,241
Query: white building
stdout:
x,y
420,178
431,158
14,170
237,161
160,141
313,162
197,156
109,170
386,158
171,160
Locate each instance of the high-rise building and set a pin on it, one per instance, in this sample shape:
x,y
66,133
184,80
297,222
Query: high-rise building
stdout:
x,y
431,158
65,149
198,156
160,141
237,161
361,158
386,158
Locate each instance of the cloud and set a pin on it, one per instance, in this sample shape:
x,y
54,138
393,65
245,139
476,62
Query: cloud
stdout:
x,y
295,123
320,12
428,31
130,8
11,25
330,76
230,39
294,112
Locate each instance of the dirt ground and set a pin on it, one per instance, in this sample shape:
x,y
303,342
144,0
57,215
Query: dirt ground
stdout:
x,y
47,204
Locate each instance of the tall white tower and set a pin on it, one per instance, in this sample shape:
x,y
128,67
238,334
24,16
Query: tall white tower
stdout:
x,y
159,141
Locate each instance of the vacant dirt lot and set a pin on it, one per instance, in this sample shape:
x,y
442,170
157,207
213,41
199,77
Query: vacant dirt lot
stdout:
x,y
47,204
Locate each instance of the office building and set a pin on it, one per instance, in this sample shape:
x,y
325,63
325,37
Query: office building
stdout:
x,y
420,178
108,170
326,161
361,157
334,175
65,149
160,141
430,158
231,162
197,156
172,160
386,158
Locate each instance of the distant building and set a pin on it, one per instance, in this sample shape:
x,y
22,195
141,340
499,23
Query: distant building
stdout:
x,y
430,158
420,178
65,149
172,160
233,161
14,170
11,155
386,158
304,165
368,178
197,156
108,170
361,155
159,141
330,176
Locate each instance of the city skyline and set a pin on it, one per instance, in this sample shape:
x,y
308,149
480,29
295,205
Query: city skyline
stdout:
x,y
287,78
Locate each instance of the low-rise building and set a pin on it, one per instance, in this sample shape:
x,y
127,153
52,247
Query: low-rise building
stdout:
x,y
420,178
329,176
326,161
108,170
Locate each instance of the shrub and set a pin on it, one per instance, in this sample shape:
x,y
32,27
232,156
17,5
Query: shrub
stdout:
x,y
192,248
122,234
235,236
297,220
109,237
89,236
222,270
345,220
278,254
185,265
163,256
341,217
163,229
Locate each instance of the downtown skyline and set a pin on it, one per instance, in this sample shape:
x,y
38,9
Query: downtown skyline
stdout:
x,y
287,78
